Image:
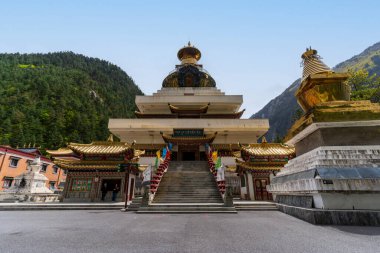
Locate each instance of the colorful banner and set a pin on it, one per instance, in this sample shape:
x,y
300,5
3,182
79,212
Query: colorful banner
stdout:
x,y
147,175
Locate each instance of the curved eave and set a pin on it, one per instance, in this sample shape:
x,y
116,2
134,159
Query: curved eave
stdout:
x,y
80,164
175,109
100,148
243,166
189,140
236,115
268,149
141,115
60,152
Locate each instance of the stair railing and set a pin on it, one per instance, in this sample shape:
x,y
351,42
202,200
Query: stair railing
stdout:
x,y
156,179
221,184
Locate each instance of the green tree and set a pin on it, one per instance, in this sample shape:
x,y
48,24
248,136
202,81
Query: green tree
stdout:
x,y
363,86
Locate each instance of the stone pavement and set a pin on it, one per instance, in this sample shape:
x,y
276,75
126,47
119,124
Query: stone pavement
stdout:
x,y
115,231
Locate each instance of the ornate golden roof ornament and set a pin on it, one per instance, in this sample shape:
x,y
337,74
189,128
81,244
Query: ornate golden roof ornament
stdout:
x,y
110,138
312,63
263,140
189,54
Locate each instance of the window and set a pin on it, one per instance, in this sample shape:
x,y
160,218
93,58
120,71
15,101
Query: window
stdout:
x,y
14,162
44,167
7,182
81,184
64,172
55,169
52,185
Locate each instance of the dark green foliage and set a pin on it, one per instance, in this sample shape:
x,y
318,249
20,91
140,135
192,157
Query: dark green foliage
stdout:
x,y
364,86
51,99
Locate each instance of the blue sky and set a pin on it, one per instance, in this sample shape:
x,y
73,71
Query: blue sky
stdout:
x,y
249,47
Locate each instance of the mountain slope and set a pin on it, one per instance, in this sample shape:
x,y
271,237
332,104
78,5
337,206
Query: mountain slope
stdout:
x,y
282,110
51,99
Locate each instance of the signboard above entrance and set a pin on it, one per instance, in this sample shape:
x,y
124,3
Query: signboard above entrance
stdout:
x,y
188,133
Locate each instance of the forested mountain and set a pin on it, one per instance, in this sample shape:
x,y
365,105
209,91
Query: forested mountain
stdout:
x,y
364,68
55,98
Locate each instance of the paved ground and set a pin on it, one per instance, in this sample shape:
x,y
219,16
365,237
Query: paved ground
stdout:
x,y
114,231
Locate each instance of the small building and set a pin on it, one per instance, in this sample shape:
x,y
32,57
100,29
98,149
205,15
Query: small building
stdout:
x,y
258,164
14,161
97,167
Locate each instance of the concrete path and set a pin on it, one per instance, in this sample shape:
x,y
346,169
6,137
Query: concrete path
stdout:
x,y
115,231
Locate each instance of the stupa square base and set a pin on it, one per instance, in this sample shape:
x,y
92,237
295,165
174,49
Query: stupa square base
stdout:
x,y
333,217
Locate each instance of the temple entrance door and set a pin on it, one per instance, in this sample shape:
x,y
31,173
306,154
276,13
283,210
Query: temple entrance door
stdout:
x,y
188,153
261,192
188,156
110,185
131,189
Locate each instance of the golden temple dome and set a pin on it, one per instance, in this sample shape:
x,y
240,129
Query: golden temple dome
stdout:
x,y
189,54
189,73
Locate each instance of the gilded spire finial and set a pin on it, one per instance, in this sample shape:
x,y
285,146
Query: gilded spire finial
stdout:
x,y
110,138
263,140
189,44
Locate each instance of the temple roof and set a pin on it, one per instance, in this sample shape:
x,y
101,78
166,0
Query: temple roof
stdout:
x,y
254,167
100,148
268,149
60,152
80,164
312,64
83,164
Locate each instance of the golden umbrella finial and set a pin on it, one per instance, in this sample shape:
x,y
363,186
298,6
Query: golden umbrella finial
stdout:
x,y
110,138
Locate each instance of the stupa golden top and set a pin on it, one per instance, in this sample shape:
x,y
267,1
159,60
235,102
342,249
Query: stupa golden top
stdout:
x,y
319,83
325,97
189,73
189,54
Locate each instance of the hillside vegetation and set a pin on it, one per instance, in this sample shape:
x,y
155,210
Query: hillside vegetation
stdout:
x,y
51,99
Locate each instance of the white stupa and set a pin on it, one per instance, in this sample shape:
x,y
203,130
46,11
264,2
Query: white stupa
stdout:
x,y
31,181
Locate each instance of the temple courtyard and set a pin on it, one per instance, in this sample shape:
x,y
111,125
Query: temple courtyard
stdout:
x,y
115,231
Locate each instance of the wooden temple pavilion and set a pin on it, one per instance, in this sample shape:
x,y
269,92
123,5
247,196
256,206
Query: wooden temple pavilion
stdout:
x,y
90,166
257,164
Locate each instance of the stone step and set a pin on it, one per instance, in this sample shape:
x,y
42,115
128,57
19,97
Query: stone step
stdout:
x,y
187,199
187,183
187,209
41,207
255,206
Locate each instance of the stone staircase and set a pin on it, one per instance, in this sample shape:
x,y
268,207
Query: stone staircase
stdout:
x,y
135,204
187,187
242,205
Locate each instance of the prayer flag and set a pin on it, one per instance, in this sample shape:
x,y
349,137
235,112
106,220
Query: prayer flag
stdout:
x,y
218,163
